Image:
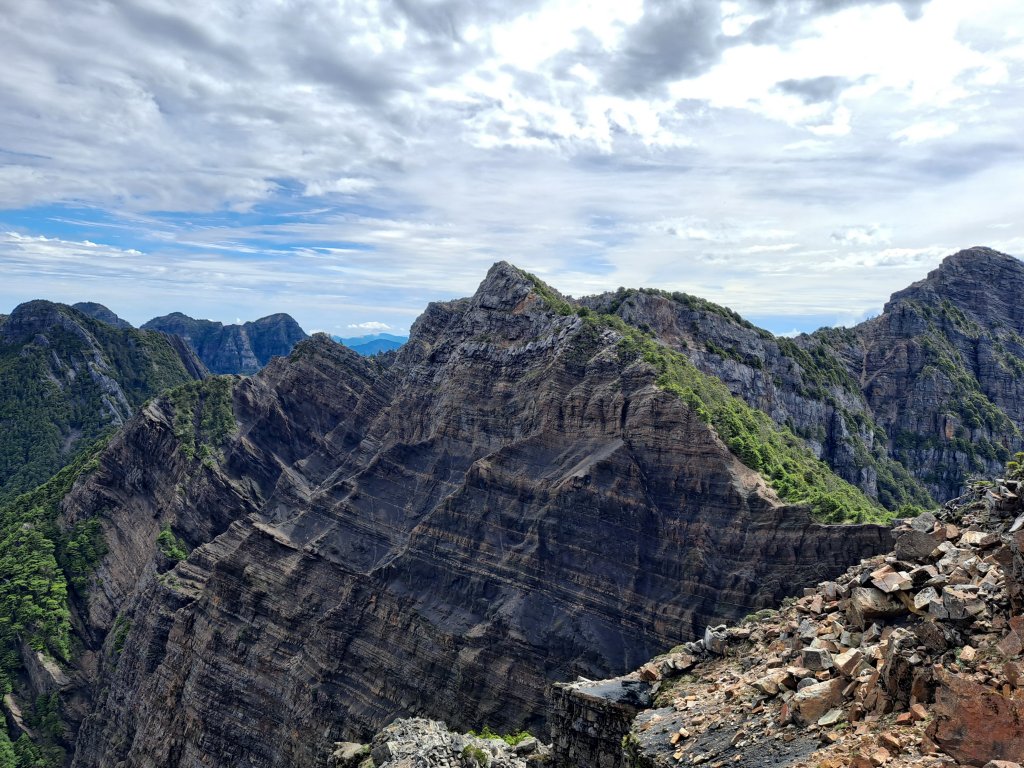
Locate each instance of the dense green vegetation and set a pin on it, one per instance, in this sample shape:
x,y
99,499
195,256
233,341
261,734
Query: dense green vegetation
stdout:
x,y
39,561
550,296
475,756
512,739
170,545
204,417
45,721
122,626
53,398
7,757
773,451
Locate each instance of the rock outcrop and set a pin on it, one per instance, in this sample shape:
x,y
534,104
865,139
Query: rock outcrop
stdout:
x,y
241,348
508,500
909,659
419,742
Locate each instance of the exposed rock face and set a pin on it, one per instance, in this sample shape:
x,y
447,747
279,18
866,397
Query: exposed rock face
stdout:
x,y
941,369
975,723
590,719
66,378
919,398
937,674
505,502
812,393
233,348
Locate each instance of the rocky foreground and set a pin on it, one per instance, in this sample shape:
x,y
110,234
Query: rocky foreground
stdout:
x,y
909,659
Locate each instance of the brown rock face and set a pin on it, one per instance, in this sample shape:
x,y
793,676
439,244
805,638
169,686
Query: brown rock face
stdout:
x,y
974,724
506,503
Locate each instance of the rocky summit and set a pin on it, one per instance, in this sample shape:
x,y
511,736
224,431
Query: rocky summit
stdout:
x,y
229,349
912,658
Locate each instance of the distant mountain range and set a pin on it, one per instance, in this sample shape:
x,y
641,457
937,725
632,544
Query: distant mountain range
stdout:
x,y
372,344
241,348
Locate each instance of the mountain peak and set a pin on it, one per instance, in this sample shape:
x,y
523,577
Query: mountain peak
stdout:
x,y
34,317
243,348
970,279
506,285
977,262
100,312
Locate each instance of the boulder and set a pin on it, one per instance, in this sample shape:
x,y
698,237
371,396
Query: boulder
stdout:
x,y
915,545
869,603
810,703
897,673
974,724
348,754
816,659
716,640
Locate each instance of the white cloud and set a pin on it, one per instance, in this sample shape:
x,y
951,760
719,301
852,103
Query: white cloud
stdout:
x,y
926,131
873,234
371,325
424,141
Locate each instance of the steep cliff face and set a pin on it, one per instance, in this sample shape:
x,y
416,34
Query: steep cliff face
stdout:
x,y
65,379
801,384
910,659
941,369
233,348
909,404
510,499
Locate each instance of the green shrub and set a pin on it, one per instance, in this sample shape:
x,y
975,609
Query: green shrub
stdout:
x,y
475,756
170,545
782,458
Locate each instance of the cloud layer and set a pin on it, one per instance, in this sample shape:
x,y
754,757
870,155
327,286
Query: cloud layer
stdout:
x,y
348,162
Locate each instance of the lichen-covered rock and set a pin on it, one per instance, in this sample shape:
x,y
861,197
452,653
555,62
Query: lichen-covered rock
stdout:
x,y
420,743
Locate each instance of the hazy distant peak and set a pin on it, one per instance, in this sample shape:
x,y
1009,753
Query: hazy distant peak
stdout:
x,y
102,313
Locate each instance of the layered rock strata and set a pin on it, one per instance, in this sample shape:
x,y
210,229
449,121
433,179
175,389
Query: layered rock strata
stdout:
x,y
506,501
225,349
909,659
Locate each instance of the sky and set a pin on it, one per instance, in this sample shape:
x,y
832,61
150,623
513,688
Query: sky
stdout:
x,y
348,162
